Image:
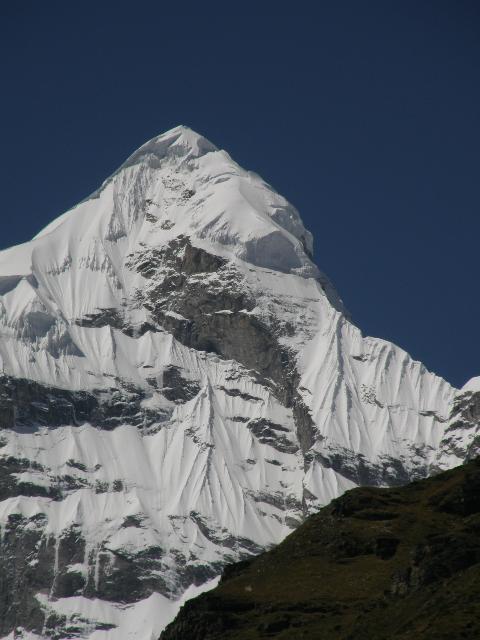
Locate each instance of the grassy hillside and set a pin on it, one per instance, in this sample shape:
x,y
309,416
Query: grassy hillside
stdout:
x,y
375,564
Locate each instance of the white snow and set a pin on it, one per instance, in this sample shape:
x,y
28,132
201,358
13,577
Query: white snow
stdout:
x,y
472,385
142,620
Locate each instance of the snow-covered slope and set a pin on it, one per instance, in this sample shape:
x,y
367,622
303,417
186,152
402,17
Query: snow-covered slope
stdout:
x,y
180,387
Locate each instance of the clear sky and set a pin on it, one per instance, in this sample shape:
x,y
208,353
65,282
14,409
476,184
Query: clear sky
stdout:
x,y
365,115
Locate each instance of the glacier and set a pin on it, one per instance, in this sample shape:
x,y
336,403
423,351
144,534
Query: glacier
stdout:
x,y
181,386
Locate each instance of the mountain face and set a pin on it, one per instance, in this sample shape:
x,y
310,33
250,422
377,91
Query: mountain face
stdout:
x,y
180,387
376,564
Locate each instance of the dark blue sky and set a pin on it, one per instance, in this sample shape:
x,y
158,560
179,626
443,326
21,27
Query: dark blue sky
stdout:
x,y
364,114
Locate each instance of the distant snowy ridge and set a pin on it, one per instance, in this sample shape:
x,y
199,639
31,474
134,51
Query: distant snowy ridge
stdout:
x,y
180,387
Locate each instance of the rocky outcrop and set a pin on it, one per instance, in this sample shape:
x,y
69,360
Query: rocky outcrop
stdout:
x,y
28,403
215,315
462,436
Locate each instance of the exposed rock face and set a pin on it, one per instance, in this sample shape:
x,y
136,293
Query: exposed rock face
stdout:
x,y
462,436
375,563
28,403
180,388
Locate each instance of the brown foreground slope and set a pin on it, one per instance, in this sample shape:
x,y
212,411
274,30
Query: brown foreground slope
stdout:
x,y
375,564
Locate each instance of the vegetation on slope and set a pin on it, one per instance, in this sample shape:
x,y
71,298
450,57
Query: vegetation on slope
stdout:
x,y
375,564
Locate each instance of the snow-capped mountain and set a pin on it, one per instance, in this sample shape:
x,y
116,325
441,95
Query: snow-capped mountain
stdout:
x,y
180,387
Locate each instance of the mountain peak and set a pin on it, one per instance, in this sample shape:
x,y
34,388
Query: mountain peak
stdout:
x,y
180,184
181,141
